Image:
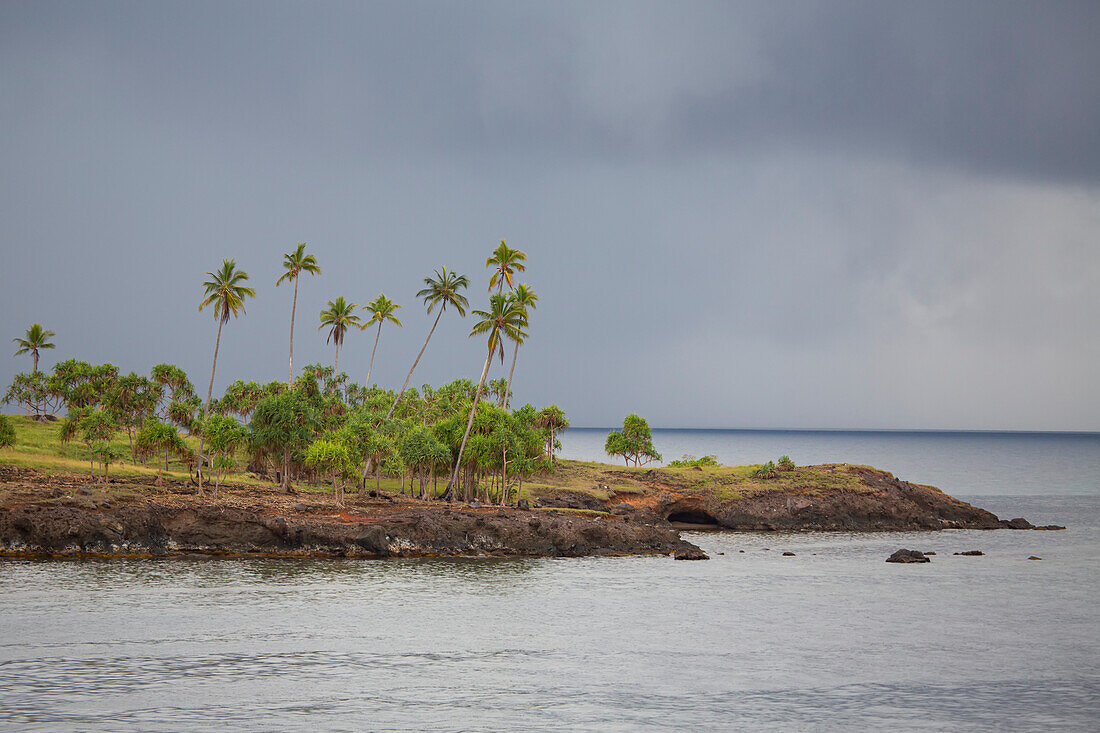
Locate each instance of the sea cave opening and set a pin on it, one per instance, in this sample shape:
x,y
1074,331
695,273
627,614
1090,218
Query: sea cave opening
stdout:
x,y
692,519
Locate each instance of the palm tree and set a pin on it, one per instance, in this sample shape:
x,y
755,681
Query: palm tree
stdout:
x,y
504,319
295,263
506,261
382,309
37,338
442,290
225,292
525,298
338,316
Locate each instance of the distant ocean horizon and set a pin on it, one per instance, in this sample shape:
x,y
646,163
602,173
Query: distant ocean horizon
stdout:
x,y
961,462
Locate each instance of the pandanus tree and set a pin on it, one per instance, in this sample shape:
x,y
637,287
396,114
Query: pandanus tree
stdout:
x,y
504,319
337,316
37,338
442,290
506,262
295,263
525,298
225,293
382,309
551,419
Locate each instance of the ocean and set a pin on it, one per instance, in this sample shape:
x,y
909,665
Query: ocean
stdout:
x,y
832,638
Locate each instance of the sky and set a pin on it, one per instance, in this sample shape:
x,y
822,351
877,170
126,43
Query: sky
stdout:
x,y
739,214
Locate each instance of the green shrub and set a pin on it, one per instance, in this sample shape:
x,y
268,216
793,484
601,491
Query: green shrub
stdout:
x,y
690,461
7,432
785,463
765,471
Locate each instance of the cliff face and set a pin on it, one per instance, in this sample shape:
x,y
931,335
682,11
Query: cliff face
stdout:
x,y
880,503
206,528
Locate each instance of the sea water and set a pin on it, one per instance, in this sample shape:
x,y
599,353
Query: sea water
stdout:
x,y
832,638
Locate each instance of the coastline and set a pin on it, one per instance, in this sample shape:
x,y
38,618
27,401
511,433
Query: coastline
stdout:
x,y
623,512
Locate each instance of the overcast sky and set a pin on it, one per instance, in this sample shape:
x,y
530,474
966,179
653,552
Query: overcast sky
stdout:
x,y
834,215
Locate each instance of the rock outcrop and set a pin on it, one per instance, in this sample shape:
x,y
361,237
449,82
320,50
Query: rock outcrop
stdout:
x,y
153,529
908,556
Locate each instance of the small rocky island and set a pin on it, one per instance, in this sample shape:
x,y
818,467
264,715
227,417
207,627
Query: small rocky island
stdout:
x,y
580,509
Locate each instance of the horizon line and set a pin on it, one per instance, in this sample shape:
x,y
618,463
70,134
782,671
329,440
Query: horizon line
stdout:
x,y
1006,431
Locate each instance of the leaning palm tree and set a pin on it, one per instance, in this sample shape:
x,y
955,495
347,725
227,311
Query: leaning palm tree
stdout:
x,y
295,263
382,309
225,292
442,290
338,316
504,319
36,338
506,261
525,298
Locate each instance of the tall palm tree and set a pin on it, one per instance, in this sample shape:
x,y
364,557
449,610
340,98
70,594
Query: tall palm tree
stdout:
x,y
295,263
504,319
225,292
338,316
525,298
506,261
382,309
36,338
442,290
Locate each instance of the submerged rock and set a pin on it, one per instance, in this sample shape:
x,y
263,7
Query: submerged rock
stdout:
x,y
907,556
1019,523
971,552
788,554
1034,558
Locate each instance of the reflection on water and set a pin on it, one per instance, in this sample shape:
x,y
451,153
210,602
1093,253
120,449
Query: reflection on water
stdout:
x,y
832,638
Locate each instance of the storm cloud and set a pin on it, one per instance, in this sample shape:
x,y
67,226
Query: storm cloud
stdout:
x,y
739,214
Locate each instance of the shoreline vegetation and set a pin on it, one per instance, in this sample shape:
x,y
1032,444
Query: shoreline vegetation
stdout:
x,y
320,465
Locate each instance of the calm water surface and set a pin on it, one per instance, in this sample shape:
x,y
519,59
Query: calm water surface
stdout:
x,y
972,463
831,639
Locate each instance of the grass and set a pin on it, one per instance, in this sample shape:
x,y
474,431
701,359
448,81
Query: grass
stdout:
x,y
38,445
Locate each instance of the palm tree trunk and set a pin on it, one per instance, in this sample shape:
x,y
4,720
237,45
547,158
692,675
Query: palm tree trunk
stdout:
x,y
35,360
469,423
508,389
336,366
209,396
422,348
293,308
371,367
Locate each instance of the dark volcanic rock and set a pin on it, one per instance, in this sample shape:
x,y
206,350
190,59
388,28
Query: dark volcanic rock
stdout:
x,y
907,556
1034,558
884,503
788,554
210,529
623,509
1050,527
573,500
523,505
691,552
974,553
1019,523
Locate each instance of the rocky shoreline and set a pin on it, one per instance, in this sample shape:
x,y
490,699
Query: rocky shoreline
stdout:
x,y
155,529
49,516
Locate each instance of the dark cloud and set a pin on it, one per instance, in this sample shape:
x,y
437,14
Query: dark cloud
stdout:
x,y
811,214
